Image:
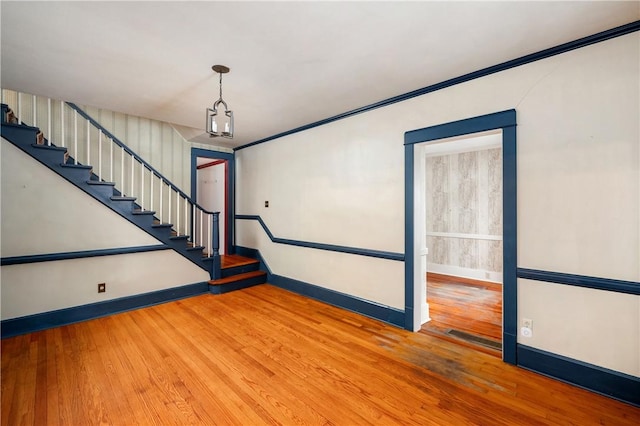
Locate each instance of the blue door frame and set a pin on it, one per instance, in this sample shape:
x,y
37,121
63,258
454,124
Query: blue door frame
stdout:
x,y
505,121
230,190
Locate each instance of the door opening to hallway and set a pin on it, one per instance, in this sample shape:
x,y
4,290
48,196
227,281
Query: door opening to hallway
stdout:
x,y
463,240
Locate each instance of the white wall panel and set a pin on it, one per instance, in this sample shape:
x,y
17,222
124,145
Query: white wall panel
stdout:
x,y
67,283
595,326
377,280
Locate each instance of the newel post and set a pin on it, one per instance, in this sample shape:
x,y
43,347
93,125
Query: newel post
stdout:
x,y
216,267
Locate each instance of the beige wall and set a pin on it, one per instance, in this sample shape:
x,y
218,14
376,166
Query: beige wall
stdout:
x,y
578,191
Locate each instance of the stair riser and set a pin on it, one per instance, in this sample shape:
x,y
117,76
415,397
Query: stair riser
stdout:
x,y
237,285
227,272
161,231
103,190
23,134
145,220
179,244
50,157
123,206
75,175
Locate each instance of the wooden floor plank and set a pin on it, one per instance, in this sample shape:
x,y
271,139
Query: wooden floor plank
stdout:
x,y
467,305
263,355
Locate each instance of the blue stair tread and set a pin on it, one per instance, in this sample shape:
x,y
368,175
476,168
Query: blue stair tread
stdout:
x,y
51,147
98,182
119,198
143,212
195,248
162,225
239,277
19,125
77,166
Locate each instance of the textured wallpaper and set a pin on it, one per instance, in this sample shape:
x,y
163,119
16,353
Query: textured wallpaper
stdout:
x,y
464,196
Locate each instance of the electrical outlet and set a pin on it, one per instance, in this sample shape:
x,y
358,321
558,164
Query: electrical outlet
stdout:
x,y
102,287
527,327
266,204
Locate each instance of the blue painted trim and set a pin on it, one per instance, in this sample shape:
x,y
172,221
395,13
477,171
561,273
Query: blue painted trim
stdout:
x,y
409,240
351,303
320,246
619,286
614,384
45,320
506,121
497,120
231,200
130,152
52,257
509,241
523,60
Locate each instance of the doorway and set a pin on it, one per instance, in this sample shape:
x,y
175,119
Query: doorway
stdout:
x,y
463,239
212,187
211,190
415,247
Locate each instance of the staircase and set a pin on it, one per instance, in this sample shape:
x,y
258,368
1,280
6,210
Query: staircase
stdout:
x,y
228,273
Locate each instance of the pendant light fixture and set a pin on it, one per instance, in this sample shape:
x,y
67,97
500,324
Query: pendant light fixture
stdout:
x,y
218,123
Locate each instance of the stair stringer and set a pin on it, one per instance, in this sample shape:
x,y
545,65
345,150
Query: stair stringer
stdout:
x,y
24,138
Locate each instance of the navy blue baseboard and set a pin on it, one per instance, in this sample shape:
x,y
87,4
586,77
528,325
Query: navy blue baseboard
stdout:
x,y
28,324
364,307
341,300
613,384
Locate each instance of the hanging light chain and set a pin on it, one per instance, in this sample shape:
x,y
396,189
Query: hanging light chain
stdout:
x,y
220,85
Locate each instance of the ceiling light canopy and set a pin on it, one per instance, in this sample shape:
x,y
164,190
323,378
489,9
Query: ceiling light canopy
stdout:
x,y
220,124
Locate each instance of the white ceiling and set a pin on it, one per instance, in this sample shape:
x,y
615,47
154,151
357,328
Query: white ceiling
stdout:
x,y
292,63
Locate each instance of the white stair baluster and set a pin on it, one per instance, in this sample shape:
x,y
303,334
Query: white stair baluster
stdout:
x,y
209,236
132,165
141,185
201,228
63,143
186,215
151,195
169,203
88,143
99,154
49,121
122,170
161,191
75,136
110,160
19,108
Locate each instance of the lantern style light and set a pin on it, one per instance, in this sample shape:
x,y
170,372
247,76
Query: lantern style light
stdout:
x,y
220,123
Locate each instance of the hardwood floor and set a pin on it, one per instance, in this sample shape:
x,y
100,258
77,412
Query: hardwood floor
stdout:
x,y
263,355
470,306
